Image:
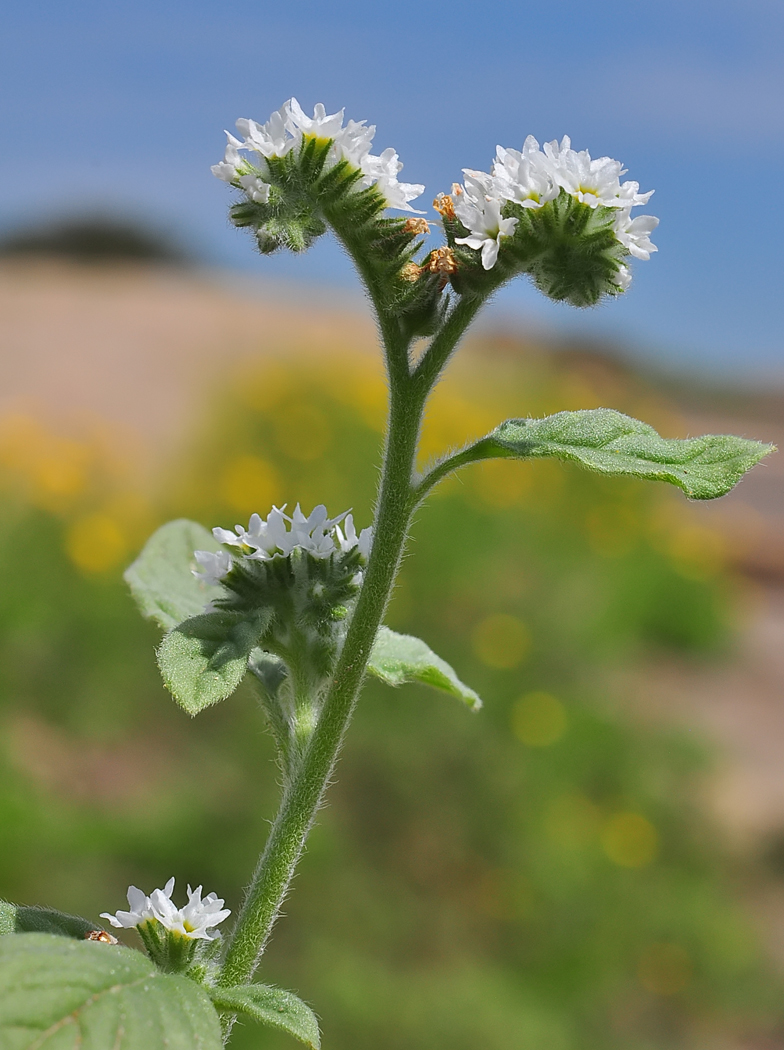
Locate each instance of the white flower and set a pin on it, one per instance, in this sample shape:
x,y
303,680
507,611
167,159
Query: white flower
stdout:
x,y
350,540
234,169
280,534
319,125
141,909
634,234
524,177
630,195
623,278
480,211
214,565
353,142
286,129
194,920
592,182
227,170
383,172
272,139
255,187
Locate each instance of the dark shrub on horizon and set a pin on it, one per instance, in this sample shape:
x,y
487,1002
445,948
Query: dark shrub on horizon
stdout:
x,y
94,238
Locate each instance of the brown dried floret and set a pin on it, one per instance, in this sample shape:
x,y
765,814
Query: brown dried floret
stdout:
x,y
417,226
445,206
411,272
442,261
100,935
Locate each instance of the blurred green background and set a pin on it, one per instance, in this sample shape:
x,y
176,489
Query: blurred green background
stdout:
x,y
540,874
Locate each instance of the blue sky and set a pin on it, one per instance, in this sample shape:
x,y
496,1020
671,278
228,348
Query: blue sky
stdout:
x,y
122,106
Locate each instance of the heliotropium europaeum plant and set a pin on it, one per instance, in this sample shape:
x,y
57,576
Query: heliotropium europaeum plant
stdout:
x,y
296,601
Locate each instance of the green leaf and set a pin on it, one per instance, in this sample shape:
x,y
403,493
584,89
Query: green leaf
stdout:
x,y
60,994
20,918
612,443
204,659
161,579
400,658
273,1007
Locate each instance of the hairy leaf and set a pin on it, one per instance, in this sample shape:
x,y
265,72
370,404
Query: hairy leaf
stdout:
x,y
61,994
400,658
161,579
21,918
273,1007
204,659
612,443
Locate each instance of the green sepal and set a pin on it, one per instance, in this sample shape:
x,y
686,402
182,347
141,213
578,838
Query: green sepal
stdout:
x,y
569,249
397,659
421,305
22,918
170,950
312,156
611,443
205,658
271,1006
161,578
63,993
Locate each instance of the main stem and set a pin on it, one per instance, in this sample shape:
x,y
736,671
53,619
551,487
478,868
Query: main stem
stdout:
x,y
398,497
302,796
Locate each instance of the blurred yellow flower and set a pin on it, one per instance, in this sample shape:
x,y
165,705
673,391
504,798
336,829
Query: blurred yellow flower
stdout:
x,y
53,468
249,482
539,719
629,839
501,641
96,543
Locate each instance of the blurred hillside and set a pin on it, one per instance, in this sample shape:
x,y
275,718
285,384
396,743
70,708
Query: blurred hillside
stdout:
x,y
594,861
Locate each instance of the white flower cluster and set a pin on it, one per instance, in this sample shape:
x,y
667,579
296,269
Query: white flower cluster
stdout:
x,y
286,130
263,540
194,920
531,177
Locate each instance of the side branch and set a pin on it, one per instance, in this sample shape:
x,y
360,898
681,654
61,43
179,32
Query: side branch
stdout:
x,y
445,341
449,464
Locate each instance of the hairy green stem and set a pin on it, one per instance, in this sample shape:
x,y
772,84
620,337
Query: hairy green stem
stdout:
x,y
303,795
398,497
